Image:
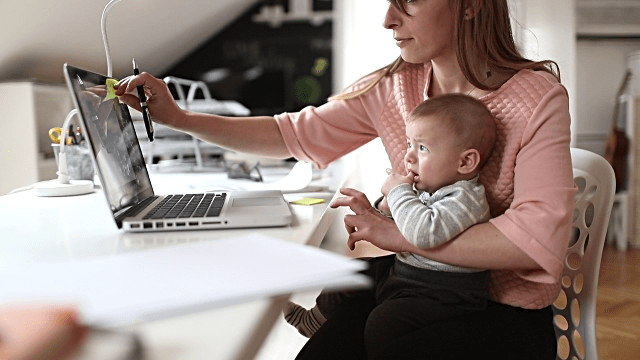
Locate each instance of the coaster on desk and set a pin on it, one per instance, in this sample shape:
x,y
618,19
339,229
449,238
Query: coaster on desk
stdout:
x,y
308,201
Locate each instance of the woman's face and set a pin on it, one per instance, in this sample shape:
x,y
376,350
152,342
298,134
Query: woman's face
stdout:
x,y
425,33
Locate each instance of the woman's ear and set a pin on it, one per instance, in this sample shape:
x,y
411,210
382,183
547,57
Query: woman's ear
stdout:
x,y
469,161
473,7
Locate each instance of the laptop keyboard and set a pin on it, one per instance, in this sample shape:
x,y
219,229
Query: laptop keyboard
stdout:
x,y
188,206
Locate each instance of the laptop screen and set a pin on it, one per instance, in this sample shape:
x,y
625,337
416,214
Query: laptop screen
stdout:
x,y
108,128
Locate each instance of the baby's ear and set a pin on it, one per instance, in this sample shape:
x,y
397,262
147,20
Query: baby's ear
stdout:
x,y
469,161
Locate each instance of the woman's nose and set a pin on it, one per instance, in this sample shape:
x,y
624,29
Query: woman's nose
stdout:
x,y
391,18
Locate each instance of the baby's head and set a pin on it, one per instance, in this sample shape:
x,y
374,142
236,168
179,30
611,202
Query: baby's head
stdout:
x,y
449,138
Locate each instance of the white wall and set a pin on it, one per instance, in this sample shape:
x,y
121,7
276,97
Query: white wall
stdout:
x,y
600,69
548,31
34,109
39,36
362,45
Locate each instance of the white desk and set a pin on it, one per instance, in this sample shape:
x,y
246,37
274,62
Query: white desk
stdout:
x,y
36,229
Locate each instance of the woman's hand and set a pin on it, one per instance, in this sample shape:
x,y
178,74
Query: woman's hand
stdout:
x,y
368,224
162,106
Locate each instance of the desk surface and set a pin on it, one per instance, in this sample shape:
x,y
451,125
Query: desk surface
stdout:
x,y
50,230
55,229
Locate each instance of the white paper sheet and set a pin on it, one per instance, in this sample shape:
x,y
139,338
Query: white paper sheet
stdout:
x,y
297,180
147,285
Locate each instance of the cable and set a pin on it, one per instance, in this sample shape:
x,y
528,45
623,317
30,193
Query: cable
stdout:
x,y
107,50
24,188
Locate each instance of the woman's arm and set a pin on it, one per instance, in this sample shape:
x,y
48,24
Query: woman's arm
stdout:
x,y
481,246
256,135
539,218
430,220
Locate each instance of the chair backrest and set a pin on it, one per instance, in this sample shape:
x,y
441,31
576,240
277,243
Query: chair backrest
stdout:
x,y
575,309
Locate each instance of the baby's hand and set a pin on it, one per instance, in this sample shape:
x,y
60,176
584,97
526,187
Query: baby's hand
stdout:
x,y
394,179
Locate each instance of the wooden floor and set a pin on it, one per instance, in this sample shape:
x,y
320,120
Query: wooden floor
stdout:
x,y
618,306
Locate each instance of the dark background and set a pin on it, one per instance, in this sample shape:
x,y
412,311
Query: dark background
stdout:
x,y
269,70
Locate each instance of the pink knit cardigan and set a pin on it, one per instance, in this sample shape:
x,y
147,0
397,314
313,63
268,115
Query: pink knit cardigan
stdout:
x,y
528,179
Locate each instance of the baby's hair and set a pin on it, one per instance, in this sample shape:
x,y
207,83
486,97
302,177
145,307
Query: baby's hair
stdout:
x,y
466,117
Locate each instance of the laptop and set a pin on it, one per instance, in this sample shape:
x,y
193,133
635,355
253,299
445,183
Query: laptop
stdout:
x,y
118,159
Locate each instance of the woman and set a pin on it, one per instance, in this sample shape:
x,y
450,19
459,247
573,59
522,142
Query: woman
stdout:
x,y
446,46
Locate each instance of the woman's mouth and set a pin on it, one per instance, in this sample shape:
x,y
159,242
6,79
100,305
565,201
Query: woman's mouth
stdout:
x,y
401,42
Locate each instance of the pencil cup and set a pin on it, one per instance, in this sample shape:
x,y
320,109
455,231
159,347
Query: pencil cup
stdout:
x,y
79,163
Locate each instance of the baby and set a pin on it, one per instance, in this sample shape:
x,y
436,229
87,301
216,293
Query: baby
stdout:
x,y
449,138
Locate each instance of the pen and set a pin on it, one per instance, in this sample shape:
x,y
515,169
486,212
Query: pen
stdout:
x,y
143,104
72,135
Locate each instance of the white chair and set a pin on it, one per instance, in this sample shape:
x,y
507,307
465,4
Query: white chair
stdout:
x,y
575,309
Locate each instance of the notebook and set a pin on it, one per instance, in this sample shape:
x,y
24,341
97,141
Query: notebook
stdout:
x,y
119,162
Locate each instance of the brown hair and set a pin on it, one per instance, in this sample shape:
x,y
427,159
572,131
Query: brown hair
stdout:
x,y
486,36
466,117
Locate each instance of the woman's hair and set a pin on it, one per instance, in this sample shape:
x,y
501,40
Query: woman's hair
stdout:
x,y
486,36
464,117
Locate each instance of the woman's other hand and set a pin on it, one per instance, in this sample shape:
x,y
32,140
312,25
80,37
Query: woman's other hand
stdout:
x,y
368,224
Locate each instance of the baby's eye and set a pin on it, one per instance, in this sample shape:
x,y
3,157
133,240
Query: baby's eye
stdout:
x,y
408,145
423,148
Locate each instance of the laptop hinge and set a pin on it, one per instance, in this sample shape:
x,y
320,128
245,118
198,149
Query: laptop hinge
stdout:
x,y
132,210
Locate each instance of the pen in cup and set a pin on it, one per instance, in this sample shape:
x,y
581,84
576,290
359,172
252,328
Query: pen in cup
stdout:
x,y
143,104
72,135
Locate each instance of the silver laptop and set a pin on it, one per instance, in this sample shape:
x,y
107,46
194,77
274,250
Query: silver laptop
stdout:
x,y
120,165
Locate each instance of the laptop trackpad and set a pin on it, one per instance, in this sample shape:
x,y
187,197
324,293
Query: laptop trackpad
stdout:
x,y
257,201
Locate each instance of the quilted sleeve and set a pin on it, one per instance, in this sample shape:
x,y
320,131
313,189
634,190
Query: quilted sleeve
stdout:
x,y
538,220
325,133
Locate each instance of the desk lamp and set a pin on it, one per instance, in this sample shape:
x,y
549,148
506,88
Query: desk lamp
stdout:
x,y
64,186
103,24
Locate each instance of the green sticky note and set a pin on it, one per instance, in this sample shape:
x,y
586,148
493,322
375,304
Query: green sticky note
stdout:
x,y
308,201
110,92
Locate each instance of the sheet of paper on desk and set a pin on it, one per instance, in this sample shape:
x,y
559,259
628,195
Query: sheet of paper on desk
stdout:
x,y
297,180
154,284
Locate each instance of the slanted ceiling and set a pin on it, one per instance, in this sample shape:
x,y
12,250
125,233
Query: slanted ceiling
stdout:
x,y
37,37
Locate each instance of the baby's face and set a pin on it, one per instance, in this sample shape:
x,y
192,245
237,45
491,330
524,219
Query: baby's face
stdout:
x,y
432,155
